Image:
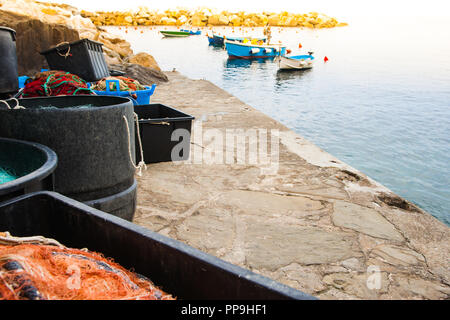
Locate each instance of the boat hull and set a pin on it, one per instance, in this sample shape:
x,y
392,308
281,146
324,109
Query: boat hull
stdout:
x,y
194,33
215,41
175,34
295,63
238,50
219,41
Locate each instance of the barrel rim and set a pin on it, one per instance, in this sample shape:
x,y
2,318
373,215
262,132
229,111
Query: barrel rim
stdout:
x,y
120,104
47,168
13,32
7,29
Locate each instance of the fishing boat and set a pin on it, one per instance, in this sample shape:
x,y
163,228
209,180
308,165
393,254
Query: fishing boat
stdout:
x,y
191,32
298,62
249,50
175,34
219,41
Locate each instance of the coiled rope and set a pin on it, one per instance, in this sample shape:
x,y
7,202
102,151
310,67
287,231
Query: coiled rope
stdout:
x,y
141,165
18,106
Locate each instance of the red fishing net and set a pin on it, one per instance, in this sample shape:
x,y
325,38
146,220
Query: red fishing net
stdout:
x,y
48,272
55,83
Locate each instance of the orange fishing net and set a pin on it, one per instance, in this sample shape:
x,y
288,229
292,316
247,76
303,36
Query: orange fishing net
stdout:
x,y
48,272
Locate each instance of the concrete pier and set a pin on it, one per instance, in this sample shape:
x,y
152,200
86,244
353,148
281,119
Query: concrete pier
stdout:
x,y
313,223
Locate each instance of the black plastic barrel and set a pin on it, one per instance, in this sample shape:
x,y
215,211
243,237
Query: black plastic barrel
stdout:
x,y
31,164
89,135
9,82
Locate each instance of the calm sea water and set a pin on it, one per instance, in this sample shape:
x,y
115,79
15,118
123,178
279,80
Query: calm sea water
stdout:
x,y
381,103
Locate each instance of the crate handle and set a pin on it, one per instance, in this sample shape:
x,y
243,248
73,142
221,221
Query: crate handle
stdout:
x,y
153,87
116,82
65,55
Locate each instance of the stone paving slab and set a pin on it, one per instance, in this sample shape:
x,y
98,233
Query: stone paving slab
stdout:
x,y
317,224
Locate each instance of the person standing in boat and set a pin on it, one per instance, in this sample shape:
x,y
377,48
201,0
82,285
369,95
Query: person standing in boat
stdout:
x,y
267,32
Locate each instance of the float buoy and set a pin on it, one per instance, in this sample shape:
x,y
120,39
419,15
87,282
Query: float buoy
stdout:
x,y
299,45
325,59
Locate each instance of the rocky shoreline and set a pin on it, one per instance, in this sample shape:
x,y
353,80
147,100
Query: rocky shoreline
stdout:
x,y
40,26
206,17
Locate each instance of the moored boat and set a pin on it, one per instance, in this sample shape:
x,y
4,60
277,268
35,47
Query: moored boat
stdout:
x,y
174,33
295,62
191,32
248,50
219,41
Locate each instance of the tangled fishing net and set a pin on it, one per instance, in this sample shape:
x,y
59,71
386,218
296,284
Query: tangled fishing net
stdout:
x,y
55,83
37,268
125,84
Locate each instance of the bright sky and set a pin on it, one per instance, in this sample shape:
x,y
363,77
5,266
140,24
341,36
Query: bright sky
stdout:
x,y
337,8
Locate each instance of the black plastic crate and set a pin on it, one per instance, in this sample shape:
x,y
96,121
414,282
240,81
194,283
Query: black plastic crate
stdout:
x,y
183,271
83,58
157,123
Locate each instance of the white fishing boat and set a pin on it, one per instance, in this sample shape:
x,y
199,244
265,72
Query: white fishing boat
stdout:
x,y
305,61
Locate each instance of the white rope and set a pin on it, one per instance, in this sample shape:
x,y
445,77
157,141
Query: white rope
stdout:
x,y
7,239
68,50
141,164
18,106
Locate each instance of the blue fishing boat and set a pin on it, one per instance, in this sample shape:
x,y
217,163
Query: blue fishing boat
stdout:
x,y
219,41
249,50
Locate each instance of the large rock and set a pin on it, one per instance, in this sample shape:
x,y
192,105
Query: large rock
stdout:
x,y
144,59
144,75
214,20
34,36
236,20
199,20
274,20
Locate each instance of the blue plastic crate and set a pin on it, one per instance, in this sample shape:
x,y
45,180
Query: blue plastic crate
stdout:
x,y
143,96
22,80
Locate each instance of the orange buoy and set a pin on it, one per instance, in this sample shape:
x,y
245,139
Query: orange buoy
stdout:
x,y
299,45
325,59
288,51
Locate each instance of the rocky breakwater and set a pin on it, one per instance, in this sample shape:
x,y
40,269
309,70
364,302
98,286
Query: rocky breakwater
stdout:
x,y
205,17
40,26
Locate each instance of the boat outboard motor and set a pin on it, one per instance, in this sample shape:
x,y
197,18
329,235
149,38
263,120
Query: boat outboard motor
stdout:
x,y
9,83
